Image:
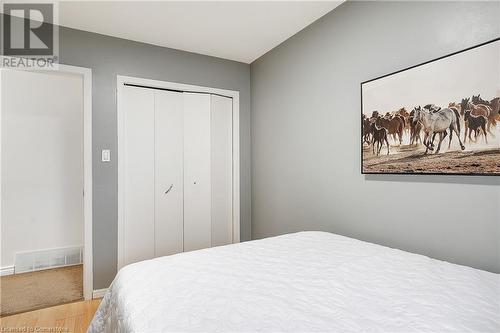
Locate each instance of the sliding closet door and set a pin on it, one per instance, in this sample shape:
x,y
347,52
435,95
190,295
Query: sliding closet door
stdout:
x,y
197,184
169,183
139,171
222,169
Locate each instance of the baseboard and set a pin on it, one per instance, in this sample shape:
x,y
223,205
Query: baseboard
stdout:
x,y
7,270
99,293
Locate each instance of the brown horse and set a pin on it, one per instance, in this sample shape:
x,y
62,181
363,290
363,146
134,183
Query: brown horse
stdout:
x,y
484,110
494,104
478,110
394,127
415,129
379,136
406,117
403,112
474,123
367,130
479,100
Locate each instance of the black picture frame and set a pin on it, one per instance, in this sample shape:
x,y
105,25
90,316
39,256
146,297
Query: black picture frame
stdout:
x,y
363,172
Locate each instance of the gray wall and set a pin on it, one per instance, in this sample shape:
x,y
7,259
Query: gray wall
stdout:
x,y
306,134
109,57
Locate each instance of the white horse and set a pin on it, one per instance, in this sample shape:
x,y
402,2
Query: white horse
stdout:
x,y
438,122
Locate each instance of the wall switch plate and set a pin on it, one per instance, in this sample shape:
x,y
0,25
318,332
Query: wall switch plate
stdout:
x,y
106,155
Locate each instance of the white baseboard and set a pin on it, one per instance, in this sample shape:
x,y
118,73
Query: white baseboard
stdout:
x,y
99,293
7,270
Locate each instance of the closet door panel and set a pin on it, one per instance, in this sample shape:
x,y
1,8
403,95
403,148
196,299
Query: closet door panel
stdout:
x,y
197,188
138,177
169,193
222,169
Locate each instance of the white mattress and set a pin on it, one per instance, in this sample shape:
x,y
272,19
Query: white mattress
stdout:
x,y
303,282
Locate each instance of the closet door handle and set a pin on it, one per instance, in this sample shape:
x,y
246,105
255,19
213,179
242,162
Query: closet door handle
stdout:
x,y
169,188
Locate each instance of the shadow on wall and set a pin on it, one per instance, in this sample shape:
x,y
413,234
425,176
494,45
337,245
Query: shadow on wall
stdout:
x,y
443,179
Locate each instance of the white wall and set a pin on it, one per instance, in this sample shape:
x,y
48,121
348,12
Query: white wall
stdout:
x,y
306,134
42,162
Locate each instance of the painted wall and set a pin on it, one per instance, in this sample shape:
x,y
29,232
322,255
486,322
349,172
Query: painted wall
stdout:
x,y
42,162
109,57
306,134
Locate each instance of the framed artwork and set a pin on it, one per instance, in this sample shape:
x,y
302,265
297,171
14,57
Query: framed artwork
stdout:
x,y
439,117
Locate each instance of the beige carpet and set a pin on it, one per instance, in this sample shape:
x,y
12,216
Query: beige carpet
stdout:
x,y
31,291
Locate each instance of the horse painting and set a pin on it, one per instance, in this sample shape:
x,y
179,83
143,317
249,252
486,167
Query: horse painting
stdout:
x,y
439,117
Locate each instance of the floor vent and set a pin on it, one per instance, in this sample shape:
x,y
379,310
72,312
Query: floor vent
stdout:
x,y
45,259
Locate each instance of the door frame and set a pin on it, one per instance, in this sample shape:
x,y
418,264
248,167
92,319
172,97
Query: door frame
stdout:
x,y
86,75
121,81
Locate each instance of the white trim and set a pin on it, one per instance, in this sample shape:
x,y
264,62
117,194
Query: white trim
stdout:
x,y
7,270
86,74
99,293
88,279
1,108
235,95
236,169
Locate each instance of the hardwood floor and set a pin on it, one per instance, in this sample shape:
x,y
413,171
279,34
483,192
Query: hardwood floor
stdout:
x,y
71,317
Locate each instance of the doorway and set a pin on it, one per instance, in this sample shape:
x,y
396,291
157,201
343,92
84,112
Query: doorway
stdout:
x,y
46,187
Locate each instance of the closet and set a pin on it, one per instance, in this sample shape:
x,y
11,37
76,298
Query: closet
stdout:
x,y
176,172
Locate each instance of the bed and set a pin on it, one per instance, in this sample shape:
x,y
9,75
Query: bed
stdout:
x,y
301,282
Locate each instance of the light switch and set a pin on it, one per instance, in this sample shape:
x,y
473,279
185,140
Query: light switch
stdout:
x,y
106,155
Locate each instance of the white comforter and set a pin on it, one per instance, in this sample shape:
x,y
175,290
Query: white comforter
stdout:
x,y
303,282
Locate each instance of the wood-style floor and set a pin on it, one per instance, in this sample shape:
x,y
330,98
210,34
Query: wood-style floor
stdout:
x,y
71,317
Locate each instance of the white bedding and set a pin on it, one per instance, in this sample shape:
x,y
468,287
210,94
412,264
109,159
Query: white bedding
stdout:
x,y
303,282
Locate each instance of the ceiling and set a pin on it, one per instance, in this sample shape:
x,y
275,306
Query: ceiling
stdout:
x,y
235,30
